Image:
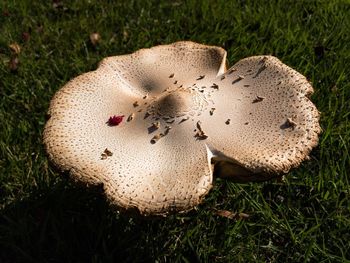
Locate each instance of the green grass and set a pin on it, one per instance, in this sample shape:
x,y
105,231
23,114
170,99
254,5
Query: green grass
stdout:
x,y
46,218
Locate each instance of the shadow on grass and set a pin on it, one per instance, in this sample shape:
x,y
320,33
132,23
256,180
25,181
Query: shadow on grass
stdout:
x,y
68,223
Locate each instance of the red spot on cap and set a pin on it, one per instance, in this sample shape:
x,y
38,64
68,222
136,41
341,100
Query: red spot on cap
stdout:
x,y
115,120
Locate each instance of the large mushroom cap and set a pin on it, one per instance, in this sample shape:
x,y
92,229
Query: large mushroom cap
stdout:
x,y
150,125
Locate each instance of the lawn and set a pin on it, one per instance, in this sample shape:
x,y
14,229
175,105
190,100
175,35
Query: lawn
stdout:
x,y
45,217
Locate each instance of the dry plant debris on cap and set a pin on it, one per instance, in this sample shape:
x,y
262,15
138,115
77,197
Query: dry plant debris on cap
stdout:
x,y
188,119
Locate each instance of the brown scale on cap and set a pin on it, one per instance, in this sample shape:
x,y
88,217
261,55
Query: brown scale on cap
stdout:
x,y
106,153
258,99
276,141
231,70
131,117
215,86
175,171
239,78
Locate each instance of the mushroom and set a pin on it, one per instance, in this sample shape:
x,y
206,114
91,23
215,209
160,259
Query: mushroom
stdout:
x,y
154,171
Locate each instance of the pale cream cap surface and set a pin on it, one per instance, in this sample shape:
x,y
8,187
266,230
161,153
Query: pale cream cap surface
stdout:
x,y
183,112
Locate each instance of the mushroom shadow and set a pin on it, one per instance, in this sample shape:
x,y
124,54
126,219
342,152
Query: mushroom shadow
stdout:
x,y
70,223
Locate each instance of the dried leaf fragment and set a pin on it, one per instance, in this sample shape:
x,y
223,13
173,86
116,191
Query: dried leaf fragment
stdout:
x,y
15,48
95,38
200,134
156,138
13,64
115,120
170,121
147,114
107,152
215,86
125,35
167,129
156,125
199,127
184,119
57,4
25,36
231,215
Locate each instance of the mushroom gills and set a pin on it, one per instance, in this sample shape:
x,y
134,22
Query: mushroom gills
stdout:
x,y
237,173
228,168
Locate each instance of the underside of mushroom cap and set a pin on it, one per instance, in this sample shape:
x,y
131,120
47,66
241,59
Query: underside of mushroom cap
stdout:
x,y
179,113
